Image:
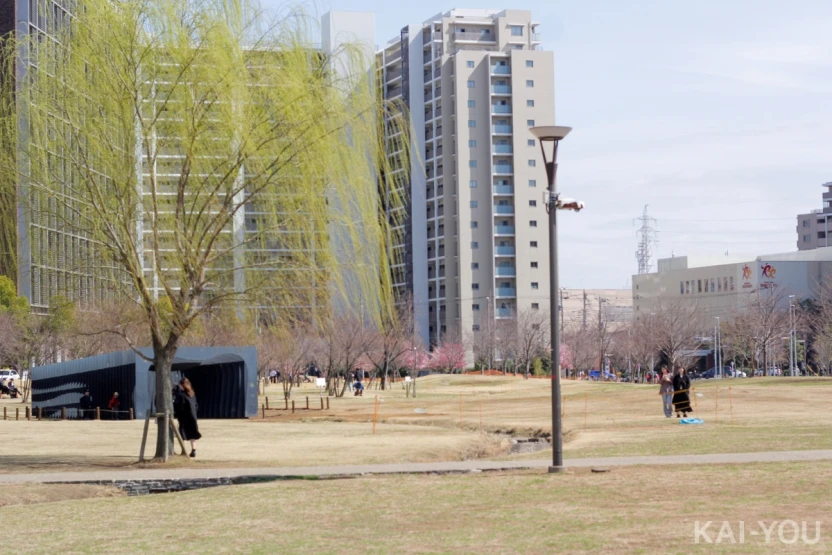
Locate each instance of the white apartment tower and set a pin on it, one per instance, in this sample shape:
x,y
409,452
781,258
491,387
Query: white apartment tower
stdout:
x,y
475,242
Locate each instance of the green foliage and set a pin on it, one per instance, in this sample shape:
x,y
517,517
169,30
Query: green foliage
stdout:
x,y
18,306
537,367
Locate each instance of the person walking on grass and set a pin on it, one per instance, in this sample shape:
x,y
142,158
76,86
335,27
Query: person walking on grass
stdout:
x,y
666,391
185,408
681,389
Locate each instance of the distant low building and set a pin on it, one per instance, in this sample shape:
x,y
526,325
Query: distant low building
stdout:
x,y
813,228
719,286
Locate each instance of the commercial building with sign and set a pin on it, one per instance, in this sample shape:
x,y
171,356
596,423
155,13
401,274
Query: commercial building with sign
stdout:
x,y
721,289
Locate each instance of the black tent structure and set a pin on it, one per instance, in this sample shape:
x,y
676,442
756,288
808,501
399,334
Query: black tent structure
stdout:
x,y
224,379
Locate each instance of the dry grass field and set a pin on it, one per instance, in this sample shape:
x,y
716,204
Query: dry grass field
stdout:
x,y
629,510
454,418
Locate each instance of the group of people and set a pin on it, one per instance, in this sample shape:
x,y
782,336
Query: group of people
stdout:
x,y
675,392
88,406
9,388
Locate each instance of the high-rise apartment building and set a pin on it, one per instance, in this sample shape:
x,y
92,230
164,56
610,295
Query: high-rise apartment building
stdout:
x,y
474,243
814,230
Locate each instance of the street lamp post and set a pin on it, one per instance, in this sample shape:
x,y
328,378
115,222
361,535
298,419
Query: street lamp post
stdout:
x,y
552,135
792,338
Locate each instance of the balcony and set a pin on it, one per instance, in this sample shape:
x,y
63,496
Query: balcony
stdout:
x,y
537,37
504,251
503,313
501,89
503,169
506,292
503,189
500,109
504,209
474,37
501,70
506,271
426,57
503,230
501,129
394,74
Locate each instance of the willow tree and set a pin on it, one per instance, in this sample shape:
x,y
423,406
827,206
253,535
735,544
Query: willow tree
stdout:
x,y
210,160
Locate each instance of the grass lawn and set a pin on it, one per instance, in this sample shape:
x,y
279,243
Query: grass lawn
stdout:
x,y
455,418
629,510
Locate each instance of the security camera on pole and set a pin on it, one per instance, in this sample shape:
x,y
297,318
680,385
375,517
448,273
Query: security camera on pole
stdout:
x,y
552,135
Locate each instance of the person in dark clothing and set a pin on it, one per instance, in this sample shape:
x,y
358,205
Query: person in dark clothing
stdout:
x,y
681,396
86,406
185,409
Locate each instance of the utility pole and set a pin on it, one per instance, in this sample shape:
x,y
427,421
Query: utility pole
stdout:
x,y
601,365
584,309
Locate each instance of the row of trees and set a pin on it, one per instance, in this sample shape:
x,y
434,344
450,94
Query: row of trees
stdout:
x,y
676,333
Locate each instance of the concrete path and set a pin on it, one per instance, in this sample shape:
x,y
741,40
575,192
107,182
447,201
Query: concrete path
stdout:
x,y
409,468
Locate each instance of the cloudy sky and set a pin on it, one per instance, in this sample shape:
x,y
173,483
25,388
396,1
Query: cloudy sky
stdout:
x,y
717,115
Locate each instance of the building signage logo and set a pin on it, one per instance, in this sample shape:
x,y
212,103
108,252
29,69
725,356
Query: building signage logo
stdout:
x,y
767,274
746,277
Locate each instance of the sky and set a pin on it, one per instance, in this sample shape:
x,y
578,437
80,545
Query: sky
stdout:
x,y
715,113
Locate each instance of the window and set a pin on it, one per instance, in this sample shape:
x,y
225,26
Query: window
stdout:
x,y
529,83
469,63
474,224
472,143
725,284
472,103
681,287
516,30
530,122
475,265
535,306
805,238
535,285
472,163
475,245
700,285
706,285
718,285
713,289
475,286
473,204
533,244
475,327
732,283
530,103
532,203
471,84
532,183
531,142
475,307
472,184
532,163
532,223
472,123
534,264
529,63
805,223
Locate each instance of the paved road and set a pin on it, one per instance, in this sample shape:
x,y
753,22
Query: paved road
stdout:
x,y
409,468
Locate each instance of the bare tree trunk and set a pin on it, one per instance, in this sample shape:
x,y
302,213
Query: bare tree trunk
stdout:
x,y
162,363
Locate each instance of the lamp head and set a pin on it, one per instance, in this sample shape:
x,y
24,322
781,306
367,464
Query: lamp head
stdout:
x,y
550,132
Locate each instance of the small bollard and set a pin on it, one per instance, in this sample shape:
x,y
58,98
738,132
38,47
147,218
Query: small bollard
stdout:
x,y
267,402
4,413
293,406
264,410
98,413
17,413
130,414
287,403
322,403
307,403
63,413
327,403
40,413
28,414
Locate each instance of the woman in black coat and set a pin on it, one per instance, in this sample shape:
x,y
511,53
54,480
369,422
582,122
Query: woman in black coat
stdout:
x,y
184,409
681,392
